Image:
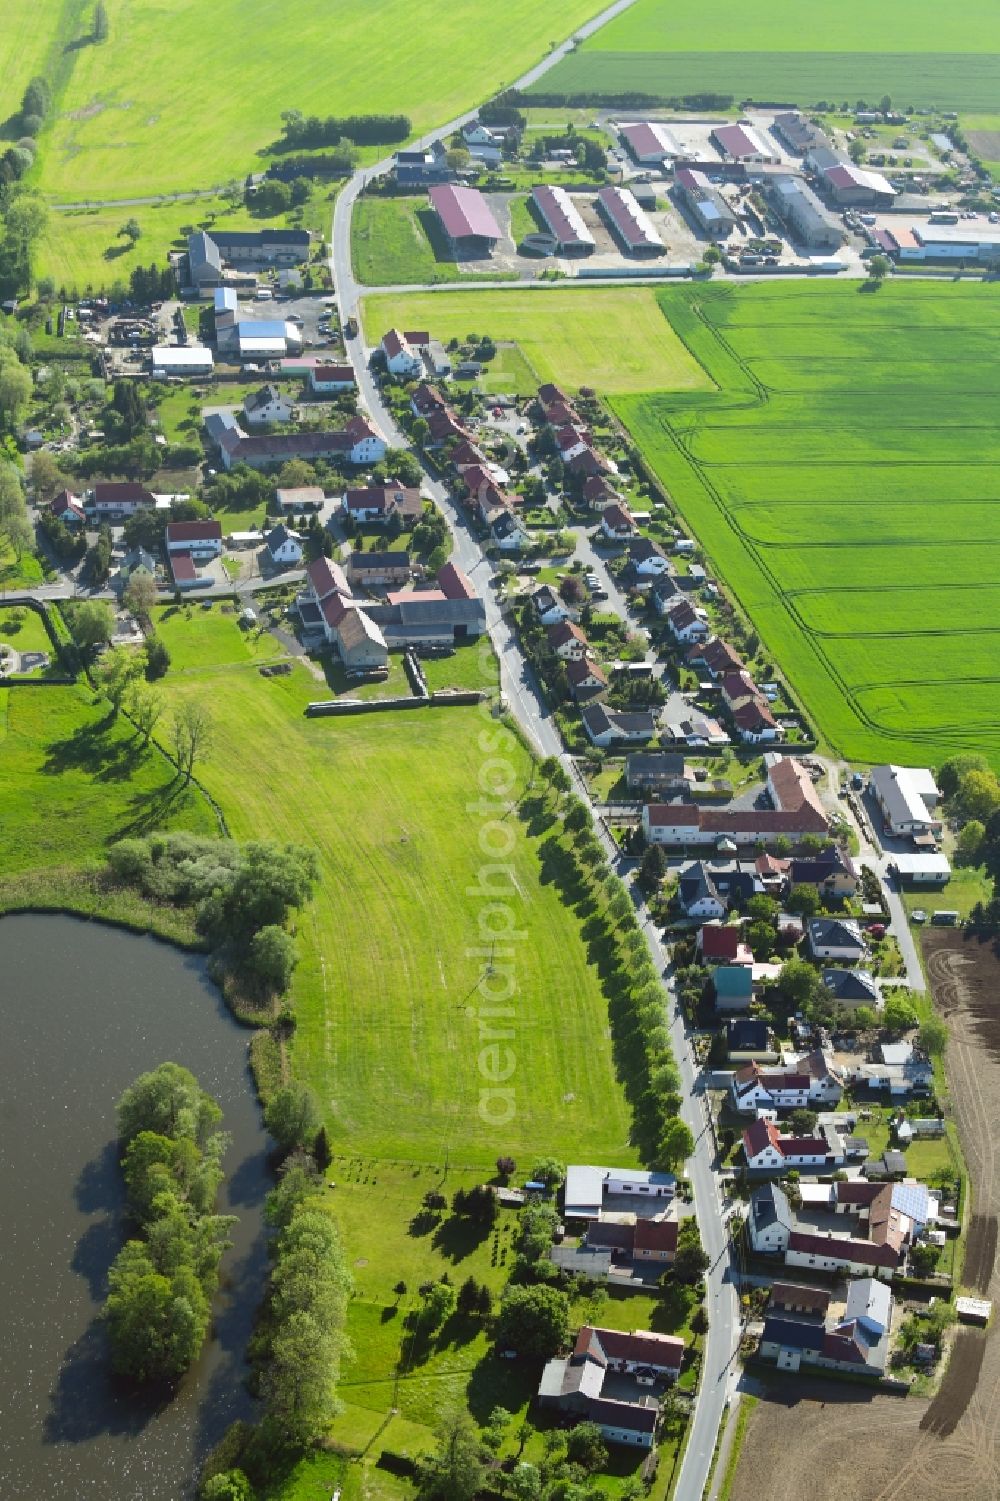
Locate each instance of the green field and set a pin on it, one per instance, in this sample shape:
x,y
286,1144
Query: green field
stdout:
x,y
789,55
398,242
614,338
385,990
71,782
163,105
83,247
844,482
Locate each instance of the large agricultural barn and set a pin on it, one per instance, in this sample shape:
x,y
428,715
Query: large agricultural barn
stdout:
x,y
466,219
563,220
628,222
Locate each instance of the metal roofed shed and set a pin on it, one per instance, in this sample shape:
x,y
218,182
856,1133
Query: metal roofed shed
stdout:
x,y
628,222
922,870
465,216
973,1310
563,219
177,359
649,142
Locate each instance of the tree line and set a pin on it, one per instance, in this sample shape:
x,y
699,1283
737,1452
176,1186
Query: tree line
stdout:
x,y
299,130
158,1309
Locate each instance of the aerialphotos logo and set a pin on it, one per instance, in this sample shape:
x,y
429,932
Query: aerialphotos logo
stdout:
x,y
498,917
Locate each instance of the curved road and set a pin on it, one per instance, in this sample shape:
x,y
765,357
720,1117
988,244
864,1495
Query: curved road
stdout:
x,y
720,1368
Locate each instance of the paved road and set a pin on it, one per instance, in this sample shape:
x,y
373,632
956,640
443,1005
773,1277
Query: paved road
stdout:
x,y
348,290
720,1370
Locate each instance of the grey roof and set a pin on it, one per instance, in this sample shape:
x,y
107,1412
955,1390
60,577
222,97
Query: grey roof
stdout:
x,y
654,763
262,398
581,1260
868,1298
380,560
835,930
747,1032
203,253
850,985
252,239
278,536
793,1334
769,1206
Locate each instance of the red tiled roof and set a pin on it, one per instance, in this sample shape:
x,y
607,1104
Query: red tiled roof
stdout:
x,y
182,566
721,942
640,1345
563,631
843,1249
326,578
759,1136
453,583
118,490
194,531
579,670
656,1235
334,374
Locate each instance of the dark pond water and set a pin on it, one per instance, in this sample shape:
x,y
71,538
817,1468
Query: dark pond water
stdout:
x,y
83,1010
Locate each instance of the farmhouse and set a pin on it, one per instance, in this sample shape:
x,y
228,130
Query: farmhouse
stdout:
x,y
810,1080
857,1343
831,871
771,1220
483,143
798,132
400,357
382,502
629,224
704,203
326,607
379,570
358,443
764,1147
284,547
716,657
420,168
201,540
685,623
114,500
798,207
267,404
741,143
797,811
563,220
657,771
907,797
329,380
466,219
575,1384
649,144
639,1239
606,726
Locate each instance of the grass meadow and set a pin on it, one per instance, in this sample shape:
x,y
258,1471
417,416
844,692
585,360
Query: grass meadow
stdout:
x,y
398,241
566,334
157,107
843,479
848,52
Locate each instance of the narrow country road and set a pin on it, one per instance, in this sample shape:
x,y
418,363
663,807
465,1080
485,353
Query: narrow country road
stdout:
x,y
720,1367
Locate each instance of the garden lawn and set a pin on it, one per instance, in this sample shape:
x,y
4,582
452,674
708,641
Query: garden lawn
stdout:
x,y
843,480
71,783
14,574
392,948
24,629
795,56
154,110
197,638
614,338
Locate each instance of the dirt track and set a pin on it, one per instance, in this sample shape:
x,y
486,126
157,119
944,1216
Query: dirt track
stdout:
x,y
888,1448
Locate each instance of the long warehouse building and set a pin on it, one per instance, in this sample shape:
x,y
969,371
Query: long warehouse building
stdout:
x,y
705,203
563,220
628,222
